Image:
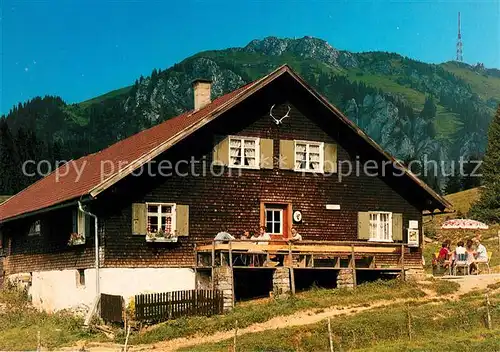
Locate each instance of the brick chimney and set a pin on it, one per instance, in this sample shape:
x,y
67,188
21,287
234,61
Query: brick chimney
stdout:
x,y
201,91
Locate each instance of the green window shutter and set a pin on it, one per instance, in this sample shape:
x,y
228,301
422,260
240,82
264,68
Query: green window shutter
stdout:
x,y
266,153
182,220
397,227
88,225
287,154
221,151
139,219
81,222
330,153
364,225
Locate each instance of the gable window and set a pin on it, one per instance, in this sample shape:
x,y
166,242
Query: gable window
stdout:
x,y
309,156
161,218
381,226
35,228
274,221
244,152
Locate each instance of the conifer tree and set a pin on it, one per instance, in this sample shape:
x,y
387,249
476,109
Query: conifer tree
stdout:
x,y
487,208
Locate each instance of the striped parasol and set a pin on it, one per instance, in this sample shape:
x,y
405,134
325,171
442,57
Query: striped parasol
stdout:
x,y
464,224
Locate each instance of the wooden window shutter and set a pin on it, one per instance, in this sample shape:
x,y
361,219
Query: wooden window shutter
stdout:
x,y
88,225
330,152
81,226
397,227
139,219
221,151
364,225
266,153
287,154
182,220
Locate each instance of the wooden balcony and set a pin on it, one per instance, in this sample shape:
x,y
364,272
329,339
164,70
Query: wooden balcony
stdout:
x,y
303,254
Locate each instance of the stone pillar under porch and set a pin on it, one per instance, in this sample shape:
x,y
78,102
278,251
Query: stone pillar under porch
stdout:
x,y
223,281
346,279
281,282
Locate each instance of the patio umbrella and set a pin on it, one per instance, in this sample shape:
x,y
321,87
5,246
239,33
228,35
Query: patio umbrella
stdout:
x,y
464,224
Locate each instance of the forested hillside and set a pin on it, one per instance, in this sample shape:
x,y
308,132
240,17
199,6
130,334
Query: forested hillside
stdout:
x,y
411,108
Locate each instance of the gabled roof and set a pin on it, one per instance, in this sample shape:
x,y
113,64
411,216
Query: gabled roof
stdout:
x,y
122,158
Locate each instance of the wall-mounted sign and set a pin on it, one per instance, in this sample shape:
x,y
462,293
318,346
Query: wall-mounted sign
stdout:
x,y
413,224
413,237
297,216
333,207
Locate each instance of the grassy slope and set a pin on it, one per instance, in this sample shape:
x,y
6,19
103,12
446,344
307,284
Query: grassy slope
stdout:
x,y
109,95
486,86
459,324
19,323
256,312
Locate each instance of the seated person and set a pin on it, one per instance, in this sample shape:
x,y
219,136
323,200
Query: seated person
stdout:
x,y
295,236
470,255
245,235
444,254
481,253
460,254
263,235
223,237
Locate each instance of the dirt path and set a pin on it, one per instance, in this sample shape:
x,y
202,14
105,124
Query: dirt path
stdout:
x,y
467,284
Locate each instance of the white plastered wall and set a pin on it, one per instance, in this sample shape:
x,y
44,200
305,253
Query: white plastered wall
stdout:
x,y
59,289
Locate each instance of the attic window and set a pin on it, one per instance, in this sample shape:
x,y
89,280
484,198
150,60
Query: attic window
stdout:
x,y
35,228
309,156
244,152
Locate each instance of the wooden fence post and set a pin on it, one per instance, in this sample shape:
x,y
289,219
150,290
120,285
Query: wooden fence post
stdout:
x,y
488,313
409,322
38,342
330,339
235,335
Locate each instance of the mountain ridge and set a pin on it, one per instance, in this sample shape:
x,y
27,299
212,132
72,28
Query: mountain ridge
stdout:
x,y
409,107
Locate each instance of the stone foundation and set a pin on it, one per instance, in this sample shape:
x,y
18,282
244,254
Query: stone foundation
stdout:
x,y
415,274
223,280
345,279
281,282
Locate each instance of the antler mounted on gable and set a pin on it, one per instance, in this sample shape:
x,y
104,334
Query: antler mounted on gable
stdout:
x,y
278,121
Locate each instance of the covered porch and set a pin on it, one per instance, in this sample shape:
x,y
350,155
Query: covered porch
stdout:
x,y
283,266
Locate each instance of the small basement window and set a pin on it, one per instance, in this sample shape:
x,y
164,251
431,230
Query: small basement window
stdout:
x,y
381,226
244,152
309,156
161,218
80,277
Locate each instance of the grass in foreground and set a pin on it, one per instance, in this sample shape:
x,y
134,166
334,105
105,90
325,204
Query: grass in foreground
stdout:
x,y
458,326
20,324
251,313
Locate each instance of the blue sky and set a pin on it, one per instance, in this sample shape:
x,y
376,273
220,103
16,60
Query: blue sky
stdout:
x,y
80,49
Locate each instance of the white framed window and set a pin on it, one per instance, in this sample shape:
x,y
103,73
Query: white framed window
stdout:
x,y
309,156
274,221
161,218
381,226
244,152
35,228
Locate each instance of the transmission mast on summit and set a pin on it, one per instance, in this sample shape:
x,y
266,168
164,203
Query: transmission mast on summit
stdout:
x,y
460,57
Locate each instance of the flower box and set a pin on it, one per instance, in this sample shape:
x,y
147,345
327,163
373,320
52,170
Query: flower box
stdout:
x,y
161,237
76,239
